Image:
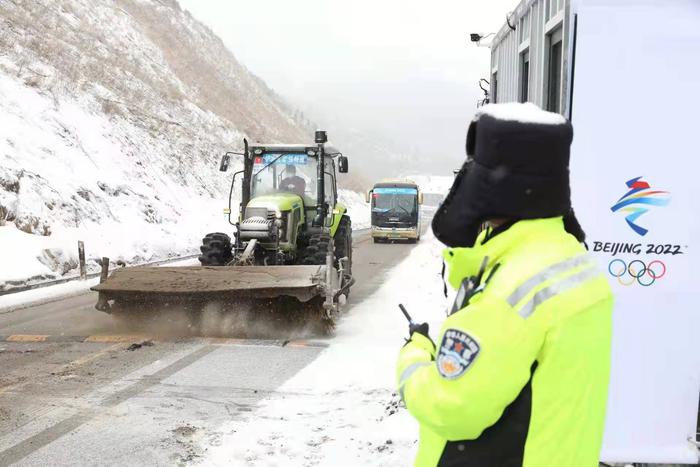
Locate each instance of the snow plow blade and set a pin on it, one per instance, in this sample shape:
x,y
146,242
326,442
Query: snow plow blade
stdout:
x,y
205,283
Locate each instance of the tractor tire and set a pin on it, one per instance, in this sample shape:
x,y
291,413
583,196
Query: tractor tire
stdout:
x,y
315,252
343,242
216,250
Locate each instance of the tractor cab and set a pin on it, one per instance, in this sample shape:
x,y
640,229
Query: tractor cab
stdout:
x,y
289,202
291,172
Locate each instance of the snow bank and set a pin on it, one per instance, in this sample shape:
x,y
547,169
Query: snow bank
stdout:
x,y
358,209
340,410
524,113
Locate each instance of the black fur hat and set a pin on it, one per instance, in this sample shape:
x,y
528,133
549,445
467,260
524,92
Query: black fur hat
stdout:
x,y
517,168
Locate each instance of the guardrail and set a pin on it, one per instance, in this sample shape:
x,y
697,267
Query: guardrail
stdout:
x,y
63,280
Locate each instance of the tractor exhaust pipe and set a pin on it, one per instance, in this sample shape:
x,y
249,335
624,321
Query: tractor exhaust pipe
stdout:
x,y
320,139
247,174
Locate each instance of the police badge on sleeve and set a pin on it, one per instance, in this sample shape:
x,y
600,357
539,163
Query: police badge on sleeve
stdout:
x,y
458,351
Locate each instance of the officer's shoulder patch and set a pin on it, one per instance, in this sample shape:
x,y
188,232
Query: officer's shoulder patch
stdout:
x,y
457,352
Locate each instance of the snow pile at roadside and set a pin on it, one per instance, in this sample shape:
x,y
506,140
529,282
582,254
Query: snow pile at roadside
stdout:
x,y
358,209
340,410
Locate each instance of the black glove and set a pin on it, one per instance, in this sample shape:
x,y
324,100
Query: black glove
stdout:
x,y
421,328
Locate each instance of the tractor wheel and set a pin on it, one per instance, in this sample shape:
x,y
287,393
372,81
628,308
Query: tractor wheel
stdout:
x,y
216,250
343,242
315,252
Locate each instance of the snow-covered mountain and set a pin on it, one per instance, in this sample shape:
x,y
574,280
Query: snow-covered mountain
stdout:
x,y
113,115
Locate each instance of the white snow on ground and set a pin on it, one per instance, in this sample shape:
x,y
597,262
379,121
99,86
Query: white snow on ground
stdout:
x,y
338,411
45,295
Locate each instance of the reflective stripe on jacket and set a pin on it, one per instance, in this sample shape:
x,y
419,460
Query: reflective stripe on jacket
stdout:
x,y
520,375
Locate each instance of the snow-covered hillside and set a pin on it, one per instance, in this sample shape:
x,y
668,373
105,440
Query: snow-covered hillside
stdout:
x,y
114,114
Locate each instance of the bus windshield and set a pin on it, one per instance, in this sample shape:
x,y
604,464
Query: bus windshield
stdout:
x,y
395,200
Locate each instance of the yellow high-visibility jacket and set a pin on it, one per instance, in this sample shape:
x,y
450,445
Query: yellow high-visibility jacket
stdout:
x,y
520,375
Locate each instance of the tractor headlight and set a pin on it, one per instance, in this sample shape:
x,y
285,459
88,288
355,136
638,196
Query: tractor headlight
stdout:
x,y
278,214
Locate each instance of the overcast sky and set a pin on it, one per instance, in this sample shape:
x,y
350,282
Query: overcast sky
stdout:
x,y
403,68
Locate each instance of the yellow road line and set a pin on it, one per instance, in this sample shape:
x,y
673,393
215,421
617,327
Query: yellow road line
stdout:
x,y
225,340
90,357
70,365
26,338
115,338
297,344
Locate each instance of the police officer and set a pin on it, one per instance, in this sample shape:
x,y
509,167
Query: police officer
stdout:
x,y
519,375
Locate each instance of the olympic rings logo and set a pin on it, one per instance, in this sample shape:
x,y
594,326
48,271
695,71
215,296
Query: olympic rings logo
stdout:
x,y
637,271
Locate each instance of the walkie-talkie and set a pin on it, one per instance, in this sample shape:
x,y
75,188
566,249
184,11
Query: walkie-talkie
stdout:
x,y
405,313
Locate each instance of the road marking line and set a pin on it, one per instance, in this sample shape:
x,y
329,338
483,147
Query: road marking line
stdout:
x,y
130,338
297,344
90,357
225,340
33,443
26,338
116,338
74,364
306,343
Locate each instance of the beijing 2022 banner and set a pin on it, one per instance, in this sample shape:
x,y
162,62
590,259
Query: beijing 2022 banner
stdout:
x,y
635,165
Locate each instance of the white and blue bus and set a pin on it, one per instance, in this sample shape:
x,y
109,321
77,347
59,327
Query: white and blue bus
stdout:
x,y
395,211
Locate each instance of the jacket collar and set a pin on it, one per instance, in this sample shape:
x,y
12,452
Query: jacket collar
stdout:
x,y
466,262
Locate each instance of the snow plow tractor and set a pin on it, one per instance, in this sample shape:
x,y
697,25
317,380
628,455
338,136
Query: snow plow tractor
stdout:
x,y
291,242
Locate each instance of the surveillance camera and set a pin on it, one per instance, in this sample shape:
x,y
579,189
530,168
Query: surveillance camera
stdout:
x,y
475,37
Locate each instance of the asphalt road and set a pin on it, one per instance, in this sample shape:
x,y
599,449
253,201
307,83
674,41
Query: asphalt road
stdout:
x,y
75,389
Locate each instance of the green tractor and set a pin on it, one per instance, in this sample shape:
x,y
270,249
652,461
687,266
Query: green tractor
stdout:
x,y
289,212
292,240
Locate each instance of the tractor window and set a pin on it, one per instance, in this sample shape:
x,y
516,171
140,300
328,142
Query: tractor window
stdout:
x,y
280,173
330,186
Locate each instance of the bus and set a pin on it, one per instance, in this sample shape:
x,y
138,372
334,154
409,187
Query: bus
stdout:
x,y
395,206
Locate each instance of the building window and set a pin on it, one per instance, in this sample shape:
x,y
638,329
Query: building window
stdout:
x,y
524,28
494,87
554,46
552,7
524,74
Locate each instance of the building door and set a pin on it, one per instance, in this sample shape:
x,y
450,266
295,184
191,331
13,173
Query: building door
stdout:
x,y
494,87
524,74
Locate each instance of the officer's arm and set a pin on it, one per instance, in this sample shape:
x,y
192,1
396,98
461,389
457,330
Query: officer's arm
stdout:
x,y
418,352
459,398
